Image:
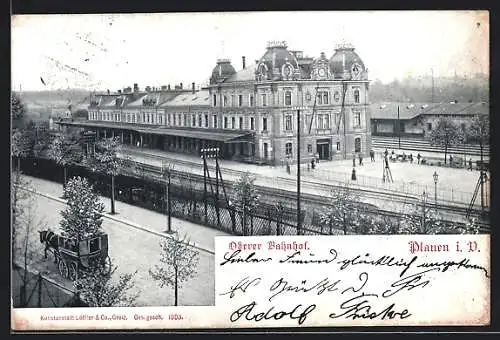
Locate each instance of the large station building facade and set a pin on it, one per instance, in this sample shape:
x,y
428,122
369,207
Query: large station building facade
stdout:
x,y
250,114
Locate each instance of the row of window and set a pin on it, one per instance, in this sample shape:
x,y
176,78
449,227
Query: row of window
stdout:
x,y
289,147
322,121
184,120
322,98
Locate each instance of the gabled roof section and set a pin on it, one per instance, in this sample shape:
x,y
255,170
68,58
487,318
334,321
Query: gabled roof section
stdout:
x,y
199,98
412,110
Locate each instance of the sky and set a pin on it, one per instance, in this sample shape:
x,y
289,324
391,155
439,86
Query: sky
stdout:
x,y
113,51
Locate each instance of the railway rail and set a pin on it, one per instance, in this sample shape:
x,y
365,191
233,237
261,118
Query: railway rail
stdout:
x,y
307,197
425,146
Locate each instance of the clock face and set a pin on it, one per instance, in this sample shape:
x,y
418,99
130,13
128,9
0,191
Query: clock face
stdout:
x,y
322,72
336,96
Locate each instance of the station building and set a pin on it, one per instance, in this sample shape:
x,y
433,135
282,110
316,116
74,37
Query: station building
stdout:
x,y
250,114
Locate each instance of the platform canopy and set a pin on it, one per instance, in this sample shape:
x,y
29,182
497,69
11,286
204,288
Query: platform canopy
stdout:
x,y
205,134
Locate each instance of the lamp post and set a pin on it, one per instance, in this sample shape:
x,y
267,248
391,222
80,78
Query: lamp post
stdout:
x,y
435,176
299,222
167,173
424,201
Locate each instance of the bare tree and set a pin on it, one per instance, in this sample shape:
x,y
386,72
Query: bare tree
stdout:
x,y
24,227
98,288
178,262
446,134
106,160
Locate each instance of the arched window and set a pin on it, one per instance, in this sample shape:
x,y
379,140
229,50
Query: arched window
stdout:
x,y
356,96
357,144
288,98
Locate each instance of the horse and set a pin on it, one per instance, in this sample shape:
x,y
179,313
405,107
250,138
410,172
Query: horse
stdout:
x,y
50,239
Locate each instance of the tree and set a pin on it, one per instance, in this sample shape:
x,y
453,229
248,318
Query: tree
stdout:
x,y
246,199
479,131
17,111
65,149
445,134
343,210
178,262
106,160
20,147
82,218
420,218
97,287
24,226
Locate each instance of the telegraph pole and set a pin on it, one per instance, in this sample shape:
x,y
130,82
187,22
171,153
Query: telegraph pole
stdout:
x,y
399,131
299,222
432,77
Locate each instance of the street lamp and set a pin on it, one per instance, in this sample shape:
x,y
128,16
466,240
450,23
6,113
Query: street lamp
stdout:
x,y
435,176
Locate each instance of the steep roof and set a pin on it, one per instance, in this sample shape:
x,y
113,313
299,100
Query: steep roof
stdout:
x,y
246,74
411,110
199,98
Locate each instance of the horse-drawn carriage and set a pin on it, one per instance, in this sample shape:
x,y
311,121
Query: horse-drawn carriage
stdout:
x,y
73,256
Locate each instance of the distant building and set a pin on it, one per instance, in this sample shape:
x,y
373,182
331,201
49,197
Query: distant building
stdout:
x,y
250,114
419,119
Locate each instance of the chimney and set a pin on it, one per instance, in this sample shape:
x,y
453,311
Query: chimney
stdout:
x,y
168,87
180,86
136,87
243,61
119,91
193,87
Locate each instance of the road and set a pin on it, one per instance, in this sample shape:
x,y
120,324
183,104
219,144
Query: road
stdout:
x,y
133,250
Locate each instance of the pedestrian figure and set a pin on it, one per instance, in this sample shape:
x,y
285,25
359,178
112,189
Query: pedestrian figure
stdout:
x,y
392,153
372,155
470,164
418,157
411,158
451,160
386,153
353,176
360,159
313,165
353,160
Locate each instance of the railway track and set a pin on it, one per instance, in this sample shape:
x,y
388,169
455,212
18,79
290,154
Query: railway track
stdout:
x,y
321,195
308,184
425,146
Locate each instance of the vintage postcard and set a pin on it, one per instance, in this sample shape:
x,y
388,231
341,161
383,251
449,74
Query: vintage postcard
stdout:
x,y
253,169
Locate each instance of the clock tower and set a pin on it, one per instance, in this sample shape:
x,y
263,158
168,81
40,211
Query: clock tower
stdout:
x,y
321,69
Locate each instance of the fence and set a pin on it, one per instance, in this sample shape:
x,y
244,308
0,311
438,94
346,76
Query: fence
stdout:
x,y
31,289
444,194
189,202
